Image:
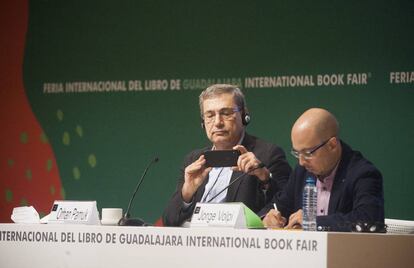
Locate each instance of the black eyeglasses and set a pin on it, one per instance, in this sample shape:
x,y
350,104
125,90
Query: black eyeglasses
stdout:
x,y
225,113
308,154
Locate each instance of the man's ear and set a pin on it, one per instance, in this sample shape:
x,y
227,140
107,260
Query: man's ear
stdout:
x,y
333,143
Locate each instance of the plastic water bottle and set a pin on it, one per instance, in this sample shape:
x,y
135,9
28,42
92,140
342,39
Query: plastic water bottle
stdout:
x,y
309,205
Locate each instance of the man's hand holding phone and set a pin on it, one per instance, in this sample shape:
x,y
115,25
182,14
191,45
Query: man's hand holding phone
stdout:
x,y
248,161
238,158
194,175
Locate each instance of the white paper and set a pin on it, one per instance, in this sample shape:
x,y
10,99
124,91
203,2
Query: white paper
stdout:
x,y
25,215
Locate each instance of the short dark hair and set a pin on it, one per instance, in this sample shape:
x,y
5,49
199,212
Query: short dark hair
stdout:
x,y
218,89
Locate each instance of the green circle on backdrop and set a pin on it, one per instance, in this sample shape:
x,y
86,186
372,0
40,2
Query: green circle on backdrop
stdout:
x,y
76,173
79,130
66,138
28,174
24,138
59,115
92,160
9,196
52,190
49,165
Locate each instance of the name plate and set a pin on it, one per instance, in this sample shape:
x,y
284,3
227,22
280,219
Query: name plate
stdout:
x,y
74,212
235,215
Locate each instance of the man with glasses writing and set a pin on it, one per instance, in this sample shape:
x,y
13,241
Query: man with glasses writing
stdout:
x,y
349,187
224,117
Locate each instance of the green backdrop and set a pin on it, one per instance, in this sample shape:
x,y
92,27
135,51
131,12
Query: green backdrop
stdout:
x,y
103,140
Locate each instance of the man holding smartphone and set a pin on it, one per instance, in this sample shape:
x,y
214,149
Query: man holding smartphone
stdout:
x,y
224,117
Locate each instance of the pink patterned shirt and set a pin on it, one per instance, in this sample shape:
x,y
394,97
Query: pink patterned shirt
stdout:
x,y
324,187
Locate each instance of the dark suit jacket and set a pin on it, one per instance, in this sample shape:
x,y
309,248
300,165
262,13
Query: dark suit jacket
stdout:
x,y
247,190
356,195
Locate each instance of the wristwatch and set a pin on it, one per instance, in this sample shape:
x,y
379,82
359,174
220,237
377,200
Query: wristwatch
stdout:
x,y
267,182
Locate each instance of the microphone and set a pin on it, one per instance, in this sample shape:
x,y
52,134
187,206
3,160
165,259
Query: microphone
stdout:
x,y
125,220
261,165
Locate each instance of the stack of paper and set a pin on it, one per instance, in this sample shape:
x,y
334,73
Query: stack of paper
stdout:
x,y
25,215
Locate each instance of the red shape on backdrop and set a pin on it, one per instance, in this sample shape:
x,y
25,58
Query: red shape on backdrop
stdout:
x,y
28,171
159,222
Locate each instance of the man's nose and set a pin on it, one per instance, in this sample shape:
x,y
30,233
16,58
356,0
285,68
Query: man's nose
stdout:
x,y
218,119
302,160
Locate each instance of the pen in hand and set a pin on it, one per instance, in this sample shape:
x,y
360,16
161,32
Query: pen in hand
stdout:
x,y
283,219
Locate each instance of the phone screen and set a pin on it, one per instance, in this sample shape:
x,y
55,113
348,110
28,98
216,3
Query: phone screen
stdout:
x,y
222,158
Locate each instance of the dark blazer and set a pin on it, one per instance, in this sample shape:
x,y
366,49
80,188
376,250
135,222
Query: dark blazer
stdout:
x,y
356,195
247,190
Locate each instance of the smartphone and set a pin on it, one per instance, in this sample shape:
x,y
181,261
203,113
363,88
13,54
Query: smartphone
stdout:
x,y
221,158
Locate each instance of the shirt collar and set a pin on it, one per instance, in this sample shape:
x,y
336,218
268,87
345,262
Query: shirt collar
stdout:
x,y
331,176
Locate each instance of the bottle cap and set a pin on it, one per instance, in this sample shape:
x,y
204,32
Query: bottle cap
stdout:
x,y
310,180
